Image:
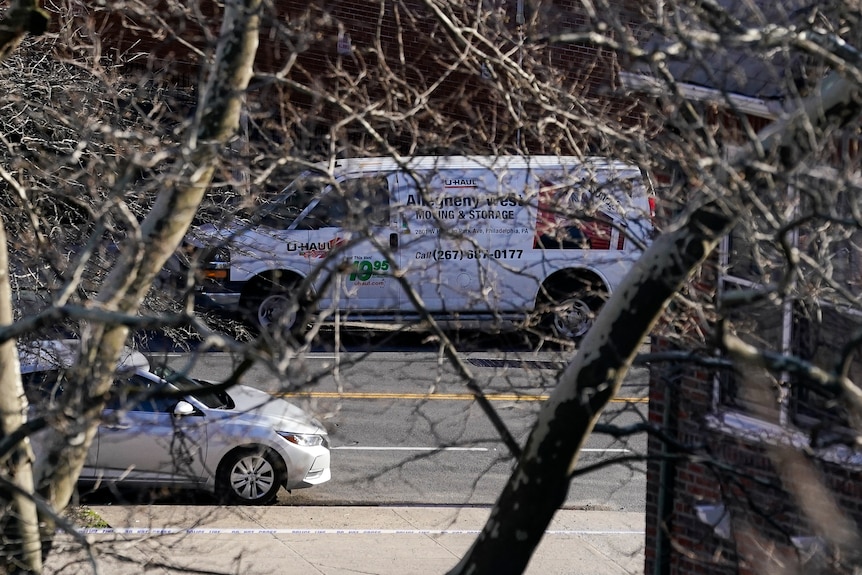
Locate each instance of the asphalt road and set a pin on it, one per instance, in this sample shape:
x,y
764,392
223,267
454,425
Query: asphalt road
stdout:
x,y
405,431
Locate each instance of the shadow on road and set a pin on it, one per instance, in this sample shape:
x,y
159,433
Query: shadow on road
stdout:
x,y
364,341
114,495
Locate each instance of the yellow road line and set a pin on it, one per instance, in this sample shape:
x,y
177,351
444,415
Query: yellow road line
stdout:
x,y
435,396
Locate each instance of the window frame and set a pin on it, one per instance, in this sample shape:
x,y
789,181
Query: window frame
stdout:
x,y
790,408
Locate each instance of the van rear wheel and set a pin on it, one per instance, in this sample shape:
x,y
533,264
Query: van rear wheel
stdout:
x,y
571,318
570,313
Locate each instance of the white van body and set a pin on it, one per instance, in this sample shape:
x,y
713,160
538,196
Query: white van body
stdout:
x,y
482,241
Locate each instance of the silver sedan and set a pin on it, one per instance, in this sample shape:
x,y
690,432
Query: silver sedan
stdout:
x,y
164,429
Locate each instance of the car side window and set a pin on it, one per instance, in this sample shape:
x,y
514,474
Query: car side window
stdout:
x,y
136,393
42,386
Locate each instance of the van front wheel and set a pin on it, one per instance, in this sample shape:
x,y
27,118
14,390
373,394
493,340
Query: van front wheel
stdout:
x,y
271,306
275,310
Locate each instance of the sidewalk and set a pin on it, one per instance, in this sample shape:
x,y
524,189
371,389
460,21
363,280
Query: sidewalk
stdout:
x,y
287,540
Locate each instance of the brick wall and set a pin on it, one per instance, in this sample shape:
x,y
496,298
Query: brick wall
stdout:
x,y
404,34
705,465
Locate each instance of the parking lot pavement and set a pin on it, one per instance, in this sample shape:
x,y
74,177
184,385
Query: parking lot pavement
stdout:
x,y
287,540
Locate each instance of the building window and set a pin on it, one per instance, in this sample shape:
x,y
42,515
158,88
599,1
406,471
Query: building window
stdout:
x,y
763,325
820,334
813,328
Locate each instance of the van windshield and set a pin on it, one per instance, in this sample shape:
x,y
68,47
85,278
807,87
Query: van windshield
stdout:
x,y
280,210
347,203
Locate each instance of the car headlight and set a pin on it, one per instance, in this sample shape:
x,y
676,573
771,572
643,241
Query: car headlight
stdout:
x,y
304,439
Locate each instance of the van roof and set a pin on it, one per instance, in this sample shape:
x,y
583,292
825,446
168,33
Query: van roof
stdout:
x,y
45,355
387,163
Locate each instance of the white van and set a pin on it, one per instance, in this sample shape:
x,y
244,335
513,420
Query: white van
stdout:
x,y
487,242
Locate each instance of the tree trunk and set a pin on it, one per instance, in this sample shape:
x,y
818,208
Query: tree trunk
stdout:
x,y
20,519
540,482
143,255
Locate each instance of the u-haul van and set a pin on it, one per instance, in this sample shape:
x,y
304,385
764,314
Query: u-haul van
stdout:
x,y
480,241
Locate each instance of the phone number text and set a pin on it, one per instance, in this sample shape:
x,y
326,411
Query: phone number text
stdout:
x,y
444,255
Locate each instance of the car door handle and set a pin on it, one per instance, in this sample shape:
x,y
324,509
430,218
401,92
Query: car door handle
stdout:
x,y
393,241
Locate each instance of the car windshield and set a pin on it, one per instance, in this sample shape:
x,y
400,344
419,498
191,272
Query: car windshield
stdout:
x,y
200,390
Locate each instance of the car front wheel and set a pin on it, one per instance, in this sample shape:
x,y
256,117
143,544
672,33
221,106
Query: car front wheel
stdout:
x,y
250,477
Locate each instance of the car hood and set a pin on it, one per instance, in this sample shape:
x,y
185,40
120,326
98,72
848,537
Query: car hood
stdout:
x,y
280,414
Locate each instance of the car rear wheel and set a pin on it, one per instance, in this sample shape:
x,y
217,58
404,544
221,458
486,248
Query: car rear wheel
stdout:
x,y
250,477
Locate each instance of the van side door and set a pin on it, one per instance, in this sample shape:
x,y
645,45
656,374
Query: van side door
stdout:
x,y
448,217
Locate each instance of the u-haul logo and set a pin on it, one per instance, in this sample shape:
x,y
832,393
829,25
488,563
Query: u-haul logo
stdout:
x,y
315,250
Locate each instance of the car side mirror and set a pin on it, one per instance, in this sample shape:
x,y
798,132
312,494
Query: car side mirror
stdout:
x,y
184,408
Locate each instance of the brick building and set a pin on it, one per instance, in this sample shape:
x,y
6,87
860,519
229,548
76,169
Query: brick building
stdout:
x,y
758,471
321,62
